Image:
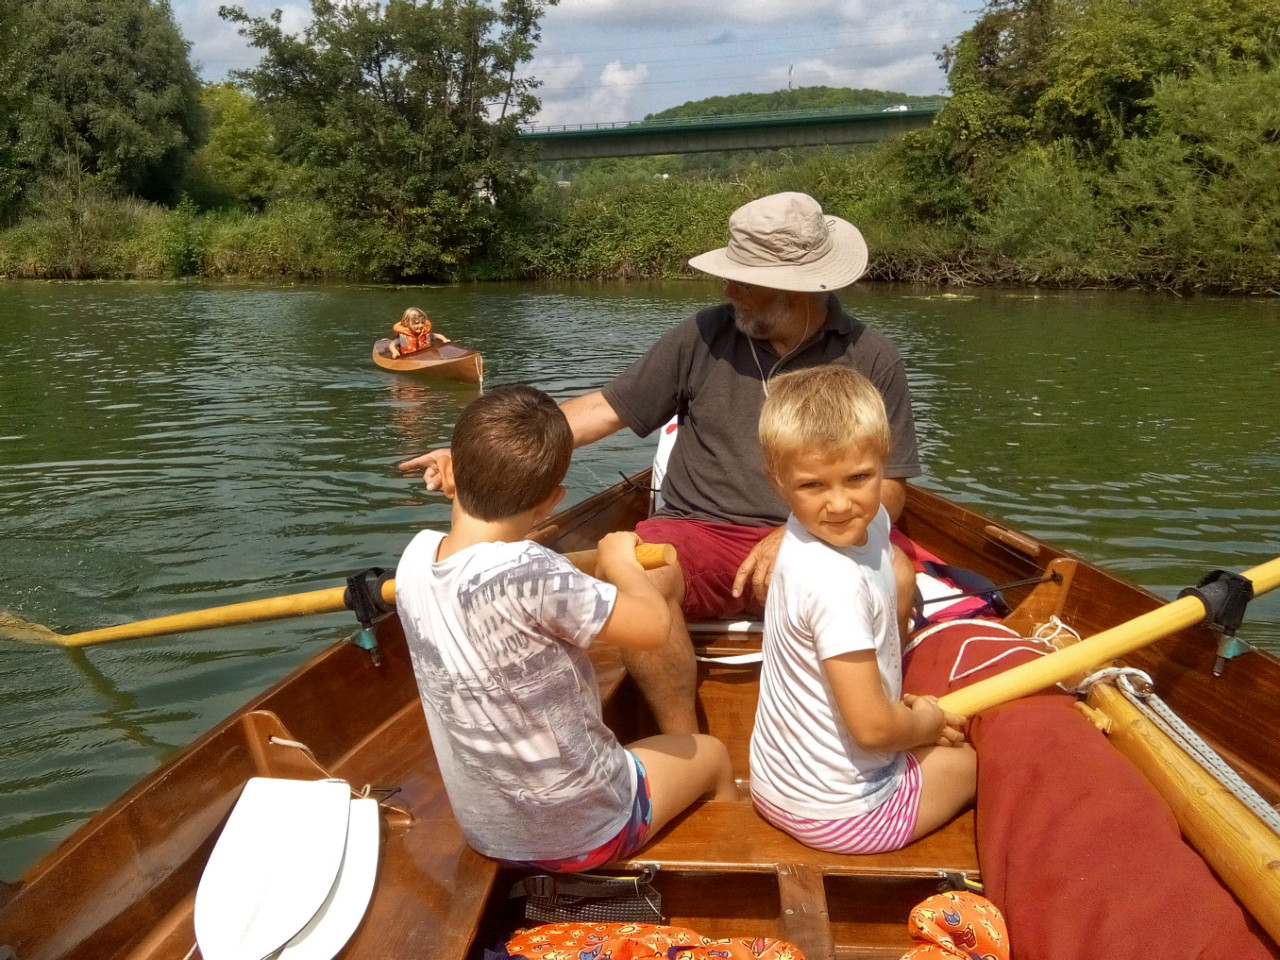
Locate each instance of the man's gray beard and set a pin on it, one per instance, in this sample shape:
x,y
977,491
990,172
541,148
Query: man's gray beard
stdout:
x,y
761,324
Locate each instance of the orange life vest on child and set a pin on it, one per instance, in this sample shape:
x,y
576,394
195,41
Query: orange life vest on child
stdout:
x,y
413,342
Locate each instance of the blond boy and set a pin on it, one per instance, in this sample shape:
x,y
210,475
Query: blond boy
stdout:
x,y
839,757
498,629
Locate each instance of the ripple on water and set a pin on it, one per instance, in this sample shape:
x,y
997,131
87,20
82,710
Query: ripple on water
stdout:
x,y
185,447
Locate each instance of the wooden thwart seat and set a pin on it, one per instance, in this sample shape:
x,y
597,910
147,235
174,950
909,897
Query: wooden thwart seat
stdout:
x,y
818,894
731,837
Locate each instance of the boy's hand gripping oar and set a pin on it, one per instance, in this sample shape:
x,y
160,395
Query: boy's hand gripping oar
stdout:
x,y
332,600
1082,657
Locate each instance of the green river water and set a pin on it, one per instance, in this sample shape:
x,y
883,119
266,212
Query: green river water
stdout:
x,y
165,448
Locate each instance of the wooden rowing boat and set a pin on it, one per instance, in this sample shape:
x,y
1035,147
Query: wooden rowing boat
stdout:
x,y
123,885
451,360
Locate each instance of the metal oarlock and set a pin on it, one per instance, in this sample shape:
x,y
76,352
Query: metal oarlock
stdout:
x,y
364,597
1225,596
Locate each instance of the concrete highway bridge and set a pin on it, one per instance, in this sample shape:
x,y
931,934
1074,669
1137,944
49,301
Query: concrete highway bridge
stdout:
x,y
747,131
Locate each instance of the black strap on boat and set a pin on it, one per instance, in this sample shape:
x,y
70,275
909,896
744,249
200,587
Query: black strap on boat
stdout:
x,y
995,589
957,881
632,485
1225,596
593,885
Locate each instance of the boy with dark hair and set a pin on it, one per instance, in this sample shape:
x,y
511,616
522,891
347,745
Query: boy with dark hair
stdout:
x,y
498,628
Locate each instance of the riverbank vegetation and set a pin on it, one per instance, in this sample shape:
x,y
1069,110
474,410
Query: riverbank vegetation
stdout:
x,y
1085,142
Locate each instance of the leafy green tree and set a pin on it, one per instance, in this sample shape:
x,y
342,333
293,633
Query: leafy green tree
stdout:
x,y
1037,70
113,96
1111,53
405,115
14,69
238,165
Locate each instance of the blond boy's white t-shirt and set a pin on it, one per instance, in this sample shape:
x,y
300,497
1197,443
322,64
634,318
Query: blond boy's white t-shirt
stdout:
x,y
824,601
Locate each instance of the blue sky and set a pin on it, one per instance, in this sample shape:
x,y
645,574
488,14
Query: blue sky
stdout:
x,y
605,60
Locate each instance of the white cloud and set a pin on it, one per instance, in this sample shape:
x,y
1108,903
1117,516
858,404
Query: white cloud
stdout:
x,y
608,60
668,13
610,99
899,74
216,45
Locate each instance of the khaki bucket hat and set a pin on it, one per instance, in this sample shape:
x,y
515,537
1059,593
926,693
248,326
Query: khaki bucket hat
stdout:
x,y
784,242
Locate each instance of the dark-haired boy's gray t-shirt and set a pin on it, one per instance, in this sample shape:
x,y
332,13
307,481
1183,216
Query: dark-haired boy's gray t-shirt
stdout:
x,y
716,471
498,635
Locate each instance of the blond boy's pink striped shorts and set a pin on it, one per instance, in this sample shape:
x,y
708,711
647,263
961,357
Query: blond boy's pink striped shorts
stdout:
x,y
887,827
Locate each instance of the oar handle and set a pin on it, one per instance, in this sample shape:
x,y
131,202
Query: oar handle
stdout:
x,y
1036,675
649,555
331,600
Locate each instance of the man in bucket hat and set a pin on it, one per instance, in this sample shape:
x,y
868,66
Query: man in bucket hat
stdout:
x,y
783,261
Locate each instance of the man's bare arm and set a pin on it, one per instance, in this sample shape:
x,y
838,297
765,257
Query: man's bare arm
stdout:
x,y
591,417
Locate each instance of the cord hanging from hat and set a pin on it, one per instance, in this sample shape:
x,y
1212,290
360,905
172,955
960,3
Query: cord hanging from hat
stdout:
x,y
804,337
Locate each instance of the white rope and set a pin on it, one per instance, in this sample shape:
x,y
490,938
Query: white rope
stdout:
x,y
282,742
1053,630
1137,687
926,633
1008,651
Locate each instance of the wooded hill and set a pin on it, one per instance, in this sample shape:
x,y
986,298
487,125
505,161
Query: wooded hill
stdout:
x,y
781,101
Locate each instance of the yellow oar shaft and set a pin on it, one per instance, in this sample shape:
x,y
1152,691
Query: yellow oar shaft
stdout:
x,y
1036,675
272,608
330,600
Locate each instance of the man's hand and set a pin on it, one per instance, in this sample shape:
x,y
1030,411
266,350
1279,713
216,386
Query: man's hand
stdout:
x,y
437,470
759,566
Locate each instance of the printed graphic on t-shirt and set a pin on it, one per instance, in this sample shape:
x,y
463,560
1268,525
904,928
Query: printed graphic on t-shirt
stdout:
x,y
517,704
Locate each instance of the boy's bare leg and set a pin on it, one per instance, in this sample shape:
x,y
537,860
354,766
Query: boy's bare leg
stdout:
x,y
948,784
904,575
668,676
681,768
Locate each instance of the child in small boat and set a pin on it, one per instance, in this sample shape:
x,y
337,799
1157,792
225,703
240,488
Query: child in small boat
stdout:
x,y
840,758
413,331
498,629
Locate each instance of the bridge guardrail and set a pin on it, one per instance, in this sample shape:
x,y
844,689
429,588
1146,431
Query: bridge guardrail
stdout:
x,y
919,108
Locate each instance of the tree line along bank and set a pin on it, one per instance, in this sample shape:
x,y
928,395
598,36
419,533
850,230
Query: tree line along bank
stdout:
x,y
1093,142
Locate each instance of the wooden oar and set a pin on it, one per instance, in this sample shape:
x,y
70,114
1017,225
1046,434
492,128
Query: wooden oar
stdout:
x,y
1081,657
1242,849
331,600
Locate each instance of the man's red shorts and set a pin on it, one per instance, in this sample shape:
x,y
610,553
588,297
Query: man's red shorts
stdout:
x,y
710,554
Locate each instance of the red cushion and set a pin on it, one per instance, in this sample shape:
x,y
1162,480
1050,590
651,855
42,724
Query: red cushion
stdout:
x,y
1077,850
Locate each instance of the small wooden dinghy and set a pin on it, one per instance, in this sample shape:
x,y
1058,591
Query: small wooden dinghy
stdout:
x,y
123,886
451,360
